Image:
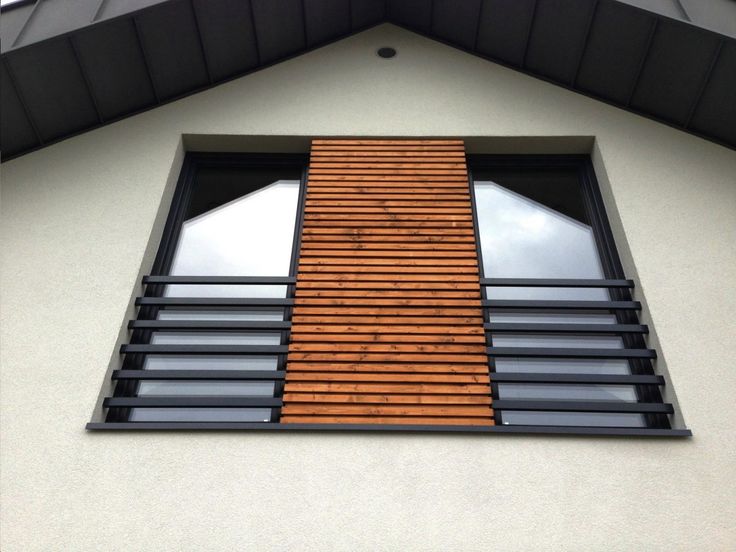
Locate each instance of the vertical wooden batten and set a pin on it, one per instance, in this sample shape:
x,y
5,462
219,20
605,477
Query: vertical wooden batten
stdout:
x,y
387,326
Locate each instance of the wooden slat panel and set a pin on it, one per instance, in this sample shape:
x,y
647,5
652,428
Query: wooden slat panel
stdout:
x,y
387,326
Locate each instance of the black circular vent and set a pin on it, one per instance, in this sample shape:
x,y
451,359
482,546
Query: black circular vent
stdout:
x,y
386,53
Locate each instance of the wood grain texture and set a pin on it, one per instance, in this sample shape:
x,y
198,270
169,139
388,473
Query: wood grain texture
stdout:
x,y
387,325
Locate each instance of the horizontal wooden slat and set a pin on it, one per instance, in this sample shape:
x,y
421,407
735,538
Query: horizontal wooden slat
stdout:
x,y
392,303
383,338
335,382
386,213
386,331
386,260
385,383
350,160
437,180
391,398
386,245
331,318
354,284
373,164
428,295
389,278
351,222
393,368
387,420
354,198
383,268
382,358
368,192
319,142
385,253
432,204
384,146
375,410
390,230
371,347
378,153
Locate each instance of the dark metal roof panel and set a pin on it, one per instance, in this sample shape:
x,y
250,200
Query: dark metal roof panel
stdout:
x,y
716,111
279,27
228,36
674,71
557,38
617,46
364,13
172,48
326,20
71,65
16,128
416,14
48,77
456,21
111,57
504,29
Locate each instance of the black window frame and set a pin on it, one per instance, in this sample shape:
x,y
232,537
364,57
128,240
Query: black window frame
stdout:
x,y
193,162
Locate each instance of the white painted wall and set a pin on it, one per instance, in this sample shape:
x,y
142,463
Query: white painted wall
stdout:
x,y
79,218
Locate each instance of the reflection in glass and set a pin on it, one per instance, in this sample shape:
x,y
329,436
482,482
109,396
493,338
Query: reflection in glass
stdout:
x,y
562,366
569,392
202,362
165,388
274,315
248,236
200,414
215,338
552,318
594,419
570,341
522,237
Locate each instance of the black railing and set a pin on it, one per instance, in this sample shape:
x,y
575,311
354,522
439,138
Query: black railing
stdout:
x,y
645,382
649,403
128,379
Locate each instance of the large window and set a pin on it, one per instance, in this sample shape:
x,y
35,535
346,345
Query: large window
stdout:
x,y
407,286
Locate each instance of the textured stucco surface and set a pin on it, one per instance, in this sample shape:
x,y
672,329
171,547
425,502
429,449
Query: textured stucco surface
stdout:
x,y
79,222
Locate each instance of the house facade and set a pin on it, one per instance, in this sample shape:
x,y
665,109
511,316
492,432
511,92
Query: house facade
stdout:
x,y
85,219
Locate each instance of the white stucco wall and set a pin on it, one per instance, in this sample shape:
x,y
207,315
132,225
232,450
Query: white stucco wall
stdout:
x,y
78,217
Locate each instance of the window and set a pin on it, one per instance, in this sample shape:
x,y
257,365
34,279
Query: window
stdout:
x,y
213,323
563,327
406,287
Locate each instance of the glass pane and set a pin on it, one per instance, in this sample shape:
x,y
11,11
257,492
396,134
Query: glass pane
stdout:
x,y
551,341
535,229
200,415
554,391
552,318
594,419
201,362
166,388
562,366
249,235
541,293
215,338
274,315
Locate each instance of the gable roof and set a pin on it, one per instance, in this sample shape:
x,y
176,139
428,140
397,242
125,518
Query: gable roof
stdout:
x,y
71,66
